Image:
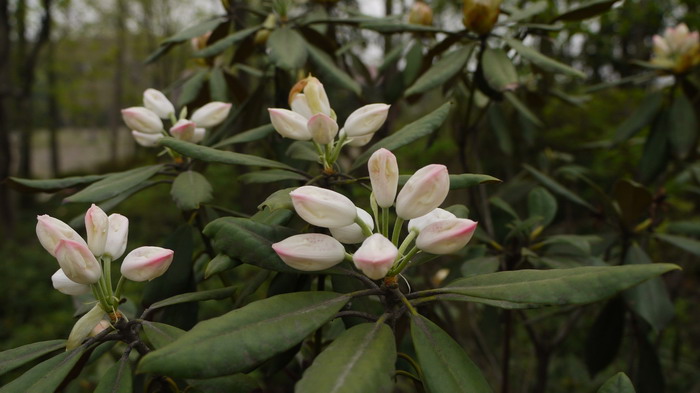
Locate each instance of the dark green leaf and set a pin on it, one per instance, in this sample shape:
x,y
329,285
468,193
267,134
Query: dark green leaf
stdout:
x,y
522,108
160,334
248,136
279,199
481,265
580,285
586,10
640,118
605,336
650,374
656,151
196,30
409,133
243,338
500,129
329,71
302,150
446,366
109,204
557,188
47,375
218,89
237,383
211,294
541,60
15,357
618,383
540,203
684,243
117,379
414,63
219,264
397,27
530,10
224,43
360,360
114,184
51,185
270,176
190,189
209,154
286,49
683,127
191,88
690,228
499,70
442,71
649,300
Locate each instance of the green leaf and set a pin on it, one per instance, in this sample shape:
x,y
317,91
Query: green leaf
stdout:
x,y
649,300
117,379
540,203
499,70
224,43
683,127
618,383
585,11
279,199
160,334
190,189
360,360
84,326
684,243
243,338
209,154
689,227
329,71
529,11
237,383
255,134
199,296
537,58
397,27
220,263
605,336
500,129
249,241
270,176
192,87
579,285
184,35
441,71
114,184
409,133
480,265
302,150
656,152
16,357
218,89
51,185
446,366
557,188
287,49
47,375
522,108
462,180
642,116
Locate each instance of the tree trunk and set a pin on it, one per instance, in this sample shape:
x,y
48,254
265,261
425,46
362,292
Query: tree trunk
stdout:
x,y
6,216
118,81
54,116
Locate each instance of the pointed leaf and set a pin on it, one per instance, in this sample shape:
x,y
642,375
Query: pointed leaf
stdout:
x,y
442,71
51,185
224,43
541,60
524,111
556,187
220,263
642,116
16,357
271,176
605,336
117,379
84,326
446,366
684,243
190,189
683,127
209,154
461,180
199,296
587,10
540,203
329,71
618,383
160,334
279,199
657,149
255,134
649,300
47,375
243,338
286,48
499,70
633,199
114,184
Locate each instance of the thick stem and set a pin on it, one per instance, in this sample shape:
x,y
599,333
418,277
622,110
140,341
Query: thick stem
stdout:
x,y
397,230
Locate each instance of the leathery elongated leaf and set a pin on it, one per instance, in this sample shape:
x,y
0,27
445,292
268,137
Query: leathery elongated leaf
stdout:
x,y
580,285
332,72
51,185
189,189
541,60
446,366
557,188
114,184
15,357
685,243
441,71
199,296
209,154
618,383
244,337
649,300
117,379
360,360
160,334
461,180
47,375
287,48
409,133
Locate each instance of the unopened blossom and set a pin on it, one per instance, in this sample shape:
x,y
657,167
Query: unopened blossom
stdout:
x,y
423,192
417,224
360,141
146,263
145,139
211,114
289,124
316,97
677,50
446,236
420,14
300,105
310,251
323,207
352,234
117,235
142,120
199,134
366,120
384,176
183,130
480,15
66,286
51,231
96,226
77,262
323,129
158,103
375,256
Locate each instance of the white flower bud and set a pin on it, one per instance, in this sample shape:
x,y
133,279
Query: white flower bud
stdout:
x,y
158,103
446,236
375,256
66,286
423,192
289,124
183,130
310,251
360,141
146,263
51,231
316,97
143,120
417,224
323,129
300,105
96,225
199,134
322,207
117,236
146,140
211,114
77,262
366,120
352,234
384,176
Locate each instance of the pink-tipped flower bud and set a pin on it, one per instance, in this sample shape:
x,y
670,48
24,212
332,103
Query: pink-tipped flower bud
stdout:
x,y
199,134
423,192
158,103
211,114
417,224
316,96
375,256
146,263
117,236
384,176
289,124
51,231
66,286
142,120
446,236
323,129
360,141
366,120
310,251
300,105
146,140
183,130
96,226
77,262
322,207
352,234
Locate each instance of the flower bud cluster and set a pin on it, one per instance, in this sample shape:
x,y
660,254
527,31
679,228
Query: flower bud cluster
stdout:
x,y
311,118
146,122
677,49
430,228
480,15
